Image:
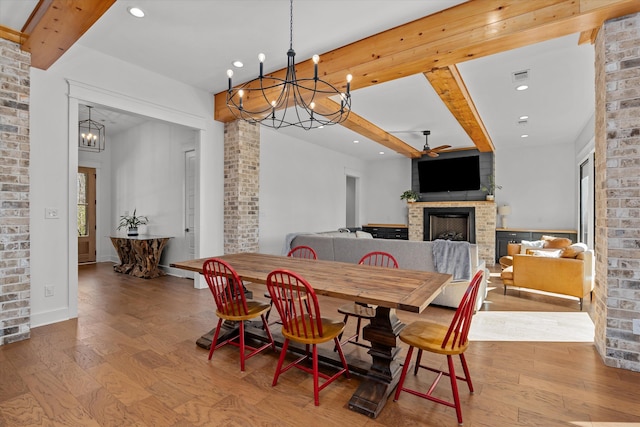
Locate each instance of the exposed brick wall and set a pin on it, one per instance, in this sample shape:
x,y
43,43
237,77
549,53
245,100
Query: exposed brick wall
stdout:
x,y
14,193
485,220
241,187
618,191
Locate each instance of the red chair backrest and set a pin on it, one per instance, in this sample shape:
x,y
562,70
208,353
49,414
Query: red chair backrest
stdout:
x,y
379,259
296,302
459,329
226,287
303,252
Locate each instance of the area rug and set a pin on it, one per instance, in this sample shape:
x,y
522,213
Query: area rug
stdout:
x,y
531,326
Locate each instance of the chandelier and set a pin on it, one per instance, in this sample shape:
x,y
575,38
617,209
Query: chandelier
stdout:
x,y
289,101
91,134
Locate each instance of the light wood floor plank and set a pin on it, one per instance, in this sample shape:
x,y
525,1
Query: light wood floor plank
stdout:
x,y
130,359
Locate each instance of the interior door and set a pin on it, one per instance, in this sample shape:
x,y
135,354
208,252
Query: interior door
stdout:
x,y
190,203
86,215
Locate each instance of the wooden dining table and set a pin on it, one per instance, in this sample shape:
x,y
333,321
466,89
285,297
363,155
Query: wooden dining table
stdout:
x,y
389,289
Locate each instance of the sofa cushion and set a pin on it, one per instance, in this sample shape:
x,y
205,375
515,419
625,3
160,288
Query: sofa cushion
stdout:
x,y
547,253
556,242
533,244
573,250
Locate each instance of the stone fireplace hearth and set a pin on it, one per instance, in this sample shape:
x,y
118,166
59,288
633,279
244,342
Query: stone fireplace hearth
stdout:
x,y
484,230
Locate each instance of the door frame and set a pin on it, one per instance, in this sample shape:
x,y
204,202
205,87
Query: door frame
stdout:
x,y
82,93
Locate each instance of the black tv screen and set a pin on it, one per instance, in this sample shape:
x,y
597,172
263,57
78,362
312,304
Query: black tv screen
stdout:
x,y
453,174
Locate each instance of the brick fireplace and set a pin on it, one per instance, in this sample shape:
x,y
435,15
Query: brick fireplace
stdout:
x,y
484,223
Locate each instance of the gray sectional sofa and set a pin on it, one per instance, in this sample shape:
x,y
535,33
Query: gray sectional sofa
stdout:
x,y
411,255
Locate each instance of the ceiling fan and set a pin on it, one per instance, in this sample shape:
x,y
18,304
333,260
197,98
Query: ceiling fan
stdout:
x,y
431,152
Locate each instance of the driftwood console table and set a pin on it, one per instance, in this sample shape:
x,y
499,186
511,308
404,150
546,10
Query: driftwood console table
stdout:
x,y
139,255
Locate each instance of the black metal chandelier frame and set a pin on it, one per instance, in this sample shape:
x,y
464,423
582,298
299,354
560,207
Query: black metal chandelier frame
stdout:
x,y
296,99
91,134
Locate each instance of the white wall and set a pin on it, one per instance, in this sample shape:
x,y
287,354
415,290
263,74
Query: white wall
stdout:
x,y
539,183
148,175
386,181
302,188
54,160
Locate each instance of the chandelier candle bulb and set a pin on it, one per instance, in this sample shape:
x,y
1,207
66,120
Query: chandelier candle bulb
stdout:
x,y
316,58
293,96
261,58
349,77
230,74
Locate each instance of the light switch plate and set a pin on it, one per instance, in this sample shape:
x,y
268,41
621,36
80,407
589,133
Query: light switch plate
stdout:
x,y
51,213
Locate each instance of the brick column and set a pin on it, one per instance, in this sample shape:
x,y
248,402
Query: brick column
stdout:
x,y
14,193
241,186
617,187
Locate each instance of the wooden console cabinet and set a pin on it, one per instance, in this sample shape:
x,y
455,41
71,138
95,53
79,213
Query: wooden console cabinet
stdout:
x,y
504,236
387,231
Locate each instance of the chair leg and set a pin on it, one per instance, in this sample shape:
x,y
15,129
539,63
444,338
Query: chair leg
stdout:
x,y
505,289
465,368
454,388
316,374
242,358
358,329
418,361
283,353
215,339
405,368
342,358
346,317
265,325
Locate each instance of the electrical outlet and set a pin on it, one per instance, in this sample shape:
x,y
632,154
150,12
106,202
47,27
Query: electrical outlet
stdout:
x,y
48,291
636,326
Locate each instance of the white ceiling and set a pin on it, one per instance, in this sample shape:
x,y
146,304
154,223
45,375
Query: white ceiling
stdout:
x,y
195,42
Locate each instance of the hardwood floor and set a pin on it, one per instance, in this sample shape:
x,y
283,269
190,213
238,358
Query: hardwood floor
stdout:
x,y
130,359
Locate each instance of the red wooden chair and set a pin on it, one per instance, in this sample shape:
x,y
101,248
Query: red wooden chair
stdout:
x,y
297,304
232,305
301,251
445,340
364,311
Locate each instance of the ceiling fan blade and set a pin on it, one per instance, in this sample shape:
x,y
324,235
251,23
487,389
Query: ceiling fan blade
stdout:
x,y
431,153
442,147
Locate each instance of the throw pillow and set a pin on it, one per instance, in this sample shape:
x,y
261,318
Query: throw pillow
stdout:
x,y
364,235
558,243
573,250
547,254
526,244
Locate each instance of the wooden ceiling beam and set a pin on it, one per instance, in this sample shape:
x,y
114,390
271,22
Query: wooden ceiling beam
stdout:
x,y
449,85
367,129
10,34
468,31
55,25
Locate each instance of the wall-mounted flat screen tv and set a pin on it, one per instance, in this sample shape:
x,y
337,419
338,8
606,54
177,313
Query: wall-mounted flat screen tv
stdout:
x,y
452,174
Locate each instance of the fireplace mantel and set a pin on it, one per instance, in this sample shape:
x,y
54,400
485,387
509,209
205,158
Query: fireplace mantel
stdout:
x,y
485,224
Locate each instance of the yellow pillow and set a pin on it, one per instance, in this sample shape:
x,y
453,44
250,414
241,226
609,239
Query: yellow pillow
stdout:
x,y
573,250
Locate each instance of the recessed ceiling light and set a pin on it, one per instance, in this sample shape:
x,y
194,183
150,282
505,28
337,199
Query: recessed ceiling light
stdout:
x,y
522,87
524,117
136,11
238,64
381,152
524,136
355,141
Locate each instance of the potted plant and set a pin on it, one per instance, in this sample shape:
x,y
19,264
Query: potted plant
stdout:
x,y
131,223
410,196
490,188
